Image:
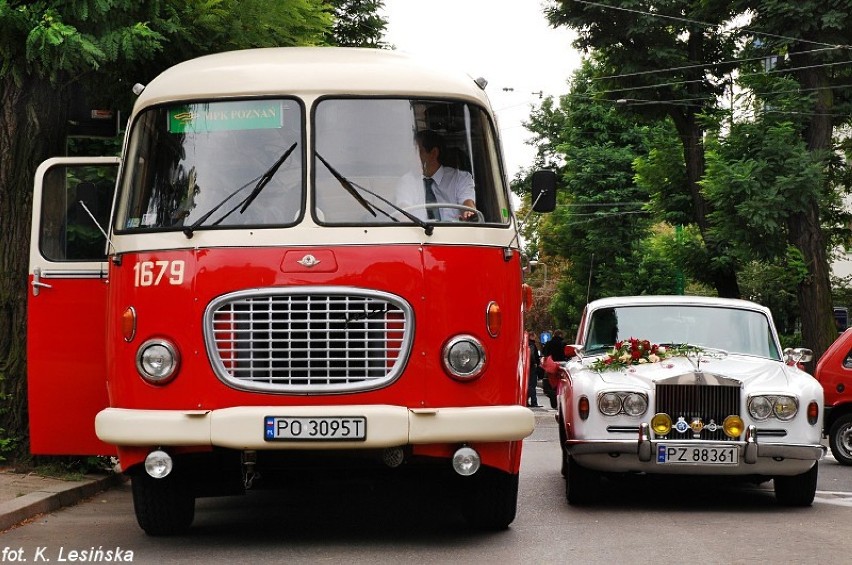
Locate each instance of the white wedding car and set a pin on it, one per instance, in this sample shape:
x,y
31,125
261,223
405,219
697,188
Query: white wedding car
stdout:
x,y
687,385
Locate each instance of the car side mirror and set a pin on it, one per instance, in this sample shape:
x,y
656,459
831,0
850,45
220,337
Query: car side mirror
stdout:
x,y
544,191
573,350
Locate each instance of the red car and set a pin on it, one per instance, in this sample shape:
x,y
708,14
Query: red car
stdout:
x,y
834,372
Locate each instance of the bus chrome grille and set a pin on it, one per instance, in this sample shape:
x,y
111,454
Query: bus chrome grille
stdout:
x,y
308,340
702,406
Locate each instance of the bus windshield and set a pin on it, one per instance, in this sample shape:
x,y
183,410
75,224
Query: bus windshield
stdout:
x,y
385,148
241,163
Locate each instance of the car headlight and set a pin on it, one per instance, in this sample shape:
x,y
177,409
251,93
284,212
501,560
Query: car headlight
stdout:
x,y
760,407
609,404
157,361
621,402
782,406
635,404
464,357
785,407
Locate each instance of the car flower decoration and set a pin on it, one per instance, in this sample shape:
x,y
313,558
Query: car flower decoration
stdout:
x,y
639,352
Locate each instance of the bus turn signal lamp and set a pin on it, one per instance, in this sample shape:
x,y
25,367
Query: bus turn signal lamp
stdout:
x,y
128,324
493,319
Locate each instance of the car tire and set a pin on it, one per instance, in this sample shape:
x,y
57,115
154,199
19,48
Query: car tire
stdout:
x,y
490,499
797,490
840,439
581,484
163,507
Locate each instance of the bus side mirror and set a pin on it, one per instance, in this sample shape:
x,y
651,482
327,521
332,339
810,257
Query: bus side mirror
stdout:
x,y
544,191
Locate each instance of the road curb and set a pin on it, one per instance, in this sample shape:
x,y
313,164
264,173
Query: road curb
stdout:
x,y
53,498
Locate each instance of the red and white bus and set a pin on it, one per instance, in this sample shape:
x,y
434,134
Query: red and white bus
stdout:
x,y
268,300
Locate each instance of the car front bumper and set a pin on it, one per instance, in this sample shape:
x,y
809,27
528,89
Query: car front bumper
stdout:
x,y
755,457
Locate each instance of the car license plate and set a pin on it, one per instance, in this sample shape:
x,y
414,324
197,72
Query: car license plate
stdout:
x,y
697,454
315,428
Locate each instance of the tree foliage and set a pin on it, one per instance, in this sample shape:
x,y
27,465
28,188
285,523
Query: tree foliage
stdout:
x,y
760,172
357,24
601,228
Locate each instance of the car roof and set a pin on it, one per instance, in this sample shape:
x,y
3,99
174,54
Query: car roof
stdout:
x,y
308,71
678,300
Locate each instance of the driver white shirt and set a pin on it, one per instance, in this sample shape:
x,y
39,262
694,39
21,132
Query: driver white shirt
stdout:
x,y
450,185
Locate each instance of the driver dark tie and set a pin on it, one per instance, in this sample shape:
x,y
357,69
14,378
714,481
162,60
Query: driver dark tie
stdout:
x,y
433,213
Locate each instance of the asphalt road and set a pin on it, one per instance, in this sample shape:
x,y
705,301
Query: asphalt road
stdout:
x,y
359,522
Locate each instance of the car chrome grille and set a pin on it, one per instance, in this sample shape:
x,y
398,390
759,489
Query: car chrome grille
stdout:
x,y
709,403
308,340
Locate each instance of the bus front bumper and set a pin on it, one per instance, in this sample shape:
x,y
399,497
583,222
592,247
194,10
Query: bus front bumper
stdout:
x,y
243,427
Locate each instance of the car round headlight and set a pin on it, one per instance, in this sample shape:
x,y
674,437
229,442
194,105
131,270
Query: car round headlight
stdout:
x,y
609,403
635,404
785,407
760,407
733,426
464,357
157,361
661,424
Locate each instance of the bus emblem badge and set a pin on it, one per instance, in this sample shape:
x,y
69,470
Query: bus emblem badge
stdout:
x,y
308,261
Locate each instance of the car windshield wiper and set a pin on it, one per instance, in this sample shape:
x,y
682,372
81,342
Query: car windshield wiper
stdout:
x,y
353,189
597,349
261,182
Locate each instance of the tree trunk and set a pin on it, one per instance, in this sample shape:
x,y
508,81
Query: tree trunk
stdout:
x,y
805,228
724,278
26,110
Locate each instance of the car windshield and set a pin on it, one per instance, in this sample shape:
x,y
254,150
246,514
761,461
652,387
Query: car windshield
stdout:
x,y
732,329
232,163
383,149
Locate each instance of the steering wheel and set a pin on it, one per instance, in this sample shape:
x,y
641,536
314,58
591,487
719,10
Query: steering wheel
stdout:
x,y
438,205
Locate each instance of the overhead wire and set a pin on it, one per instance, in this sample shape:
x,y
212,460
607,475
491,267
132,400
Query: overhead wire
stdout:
x,y
711,25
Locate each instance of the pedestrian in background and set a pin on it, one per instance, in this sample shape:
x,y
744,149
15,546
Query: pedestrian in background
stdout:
x,y
532,380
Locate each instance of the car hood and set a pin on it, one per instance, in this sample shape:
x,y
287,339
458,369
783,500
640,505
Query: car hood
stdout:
x,y
765,373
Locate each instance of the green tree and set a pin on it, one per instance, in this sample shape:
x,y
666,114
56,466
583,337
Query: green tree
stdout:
x,y
676,58
663,59
601,228
50,48
357,23
808,41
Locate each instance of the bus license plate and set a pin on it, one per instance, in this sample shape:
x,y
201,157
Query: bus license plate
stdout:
x,y
697,455
315,428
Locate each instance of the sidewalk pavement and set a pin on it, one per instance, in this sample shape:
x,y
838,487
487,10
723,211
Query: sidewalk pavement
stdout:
x,y
25,495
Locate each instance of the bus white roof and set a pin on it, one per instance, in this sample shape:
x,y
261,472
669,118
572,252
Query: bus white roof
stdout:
x,y
307,71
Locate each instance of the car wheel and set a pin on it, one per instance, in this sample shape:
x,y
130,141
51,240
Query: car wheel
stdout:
x,y
563,448
581,484
798,490
163,507
840,439
490,500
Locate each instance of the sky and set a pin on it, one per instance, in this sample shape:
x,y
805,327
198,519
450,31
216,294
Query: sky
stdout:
x,y
507,42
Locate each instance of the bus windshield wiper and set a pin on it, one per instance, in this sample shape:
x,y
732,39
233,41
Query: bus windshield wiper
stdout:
x,y
351,189
261,183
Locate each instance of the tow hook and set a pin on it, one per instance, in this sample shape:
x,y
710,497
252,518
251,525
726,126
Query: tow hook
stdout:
x,y
249,474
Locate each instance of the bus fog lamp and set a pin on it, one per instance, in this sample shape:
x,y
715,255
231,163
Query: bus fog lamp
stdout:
x,y
466,461
158,464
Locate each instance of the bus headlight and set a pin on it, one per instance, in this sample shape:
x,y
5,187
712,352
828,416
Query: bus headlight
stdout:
x,y
157,361
463,357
